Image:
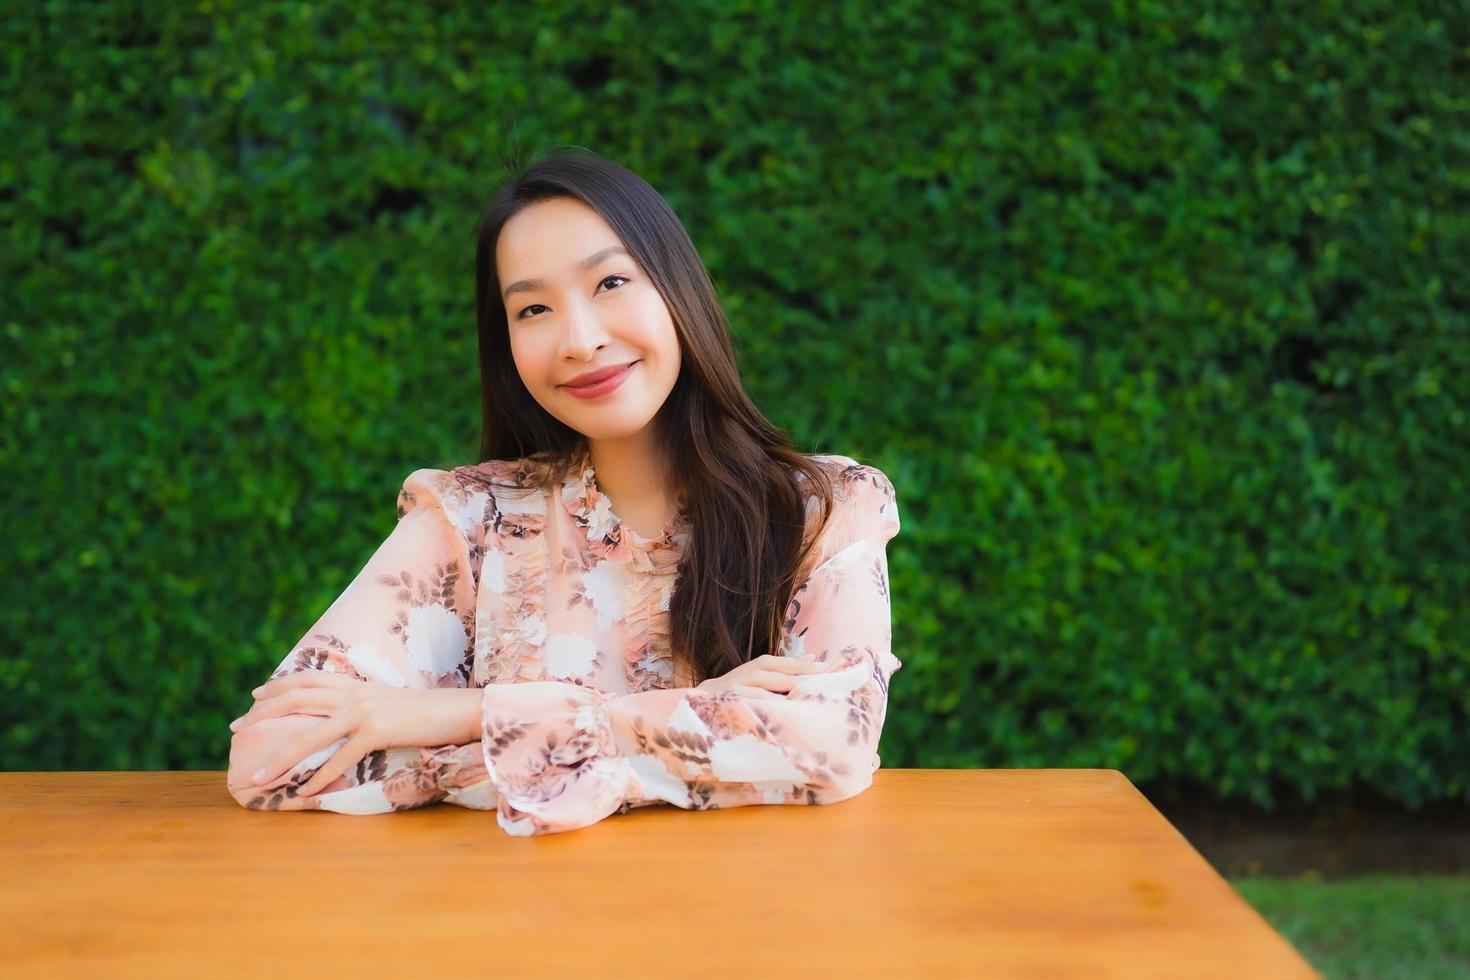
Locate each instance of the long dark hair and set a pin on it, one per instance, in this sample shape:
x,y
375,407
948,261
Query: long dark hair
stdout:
x,y
748,540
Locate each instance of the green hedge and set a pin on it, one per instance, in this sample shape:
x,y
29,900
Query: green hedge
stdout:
x,y
1157,319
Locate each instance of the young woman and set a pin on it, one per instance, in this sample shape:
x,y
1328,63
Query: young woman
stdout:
x,y
643,593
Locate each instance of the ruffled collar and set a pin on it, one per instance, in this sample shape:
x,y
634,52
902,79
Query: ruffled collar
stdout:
x,y
606,532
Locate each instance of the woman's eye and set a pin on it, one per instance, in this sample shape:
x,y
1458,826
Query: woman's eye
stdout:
x,y
521,315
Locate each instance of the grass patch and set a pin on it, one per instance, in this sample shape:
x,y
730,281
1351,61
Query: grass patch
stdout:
x,y
1374,926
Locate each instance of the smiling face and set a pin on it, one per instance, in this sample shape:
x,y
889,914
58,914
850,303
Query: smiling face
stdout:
x,y
566,319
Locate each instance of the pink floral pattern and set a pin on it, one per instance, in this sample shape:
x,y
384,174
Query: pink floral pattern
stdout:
x,y
560,613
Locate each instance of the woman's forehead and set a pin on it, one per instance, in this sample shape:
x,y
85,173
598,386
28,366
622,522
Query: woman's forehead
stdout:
x,y
551,228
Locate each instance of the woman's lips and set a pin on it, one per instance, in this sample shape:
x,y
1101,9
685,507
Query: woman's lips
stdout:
x,y
603,387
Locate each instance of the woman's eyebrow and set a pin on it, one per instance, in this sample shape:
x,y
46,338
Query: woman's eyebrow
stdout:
x,y
527,285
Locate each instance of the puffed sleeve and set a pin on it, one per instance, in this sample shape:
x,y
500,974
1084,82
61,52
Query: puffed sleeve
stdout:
x,y
563,756
406,620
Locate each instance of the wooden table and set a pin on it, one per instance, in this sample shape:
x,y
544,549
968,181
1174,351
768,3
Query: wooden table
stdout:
x,y
928,873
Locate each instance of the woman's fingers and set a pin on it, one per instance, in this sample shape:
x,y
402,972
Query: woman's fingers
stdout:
x,y
349,755
297,702
302,678
795,665
784,682
281,761
774,681
772,674
759,693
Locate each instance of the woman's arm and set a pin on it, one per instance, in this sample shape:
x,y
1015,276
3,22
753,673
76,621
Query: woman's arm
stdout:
x,y
564,756
406,620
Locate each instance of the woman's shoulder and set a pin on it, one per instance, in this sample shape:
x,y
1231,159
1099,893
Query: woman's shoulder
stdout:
x,y
498,476
497,479
863,499
849,477
517,491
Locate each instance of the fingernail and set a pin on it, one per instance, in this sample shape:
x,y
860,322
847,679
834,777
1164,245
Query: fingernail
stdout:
x,y
259,775
258,689
235,725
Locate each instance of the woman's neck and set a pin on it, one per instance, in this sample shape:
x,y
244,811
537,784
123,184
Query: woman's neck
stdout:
x,y
634,476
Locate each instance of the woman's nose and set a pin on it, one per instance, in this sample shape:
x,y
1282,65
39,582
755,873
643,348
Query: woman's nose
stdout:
x,y
585,331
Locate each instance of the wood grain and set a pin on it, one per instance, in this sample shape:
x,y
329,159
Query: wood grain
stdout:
x,y
928,873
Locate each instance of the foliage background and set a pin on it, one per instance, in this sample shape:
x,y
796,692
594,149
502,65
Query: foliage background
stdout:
x,y
1156,315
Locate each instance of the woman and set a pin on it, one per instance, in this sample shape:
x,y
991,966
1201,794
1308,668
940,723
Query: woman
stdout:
x,y
643,594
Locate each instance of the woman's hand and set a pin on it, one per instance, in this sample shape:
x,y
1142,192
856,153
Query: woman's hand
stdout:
x,y
370,716
767,676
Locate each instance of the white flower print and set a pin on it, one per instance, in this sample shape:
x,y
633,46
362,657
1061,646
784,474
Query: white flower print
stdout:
x,y
374,666
607,585
435,639
467,514
569,655
360,800
601,521
657,781
745,758
583,713
492,571
683,719
589,717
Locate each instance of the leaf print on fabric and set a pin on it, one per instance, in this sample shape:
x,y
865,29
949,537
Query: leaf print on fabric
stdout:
x,y
548,602
651,664
406,619
281,797
688,744
501,732
512,615
435,634
584,753
328,652
575,561
554,763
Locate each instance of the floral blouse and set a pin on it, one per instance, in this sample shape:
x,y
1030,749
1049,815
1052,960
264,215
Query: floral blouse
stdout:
x,y
560,612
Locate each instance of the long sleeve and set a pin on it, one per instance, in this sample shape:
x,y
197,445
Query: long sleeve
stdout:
x,y
563,756
407,620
